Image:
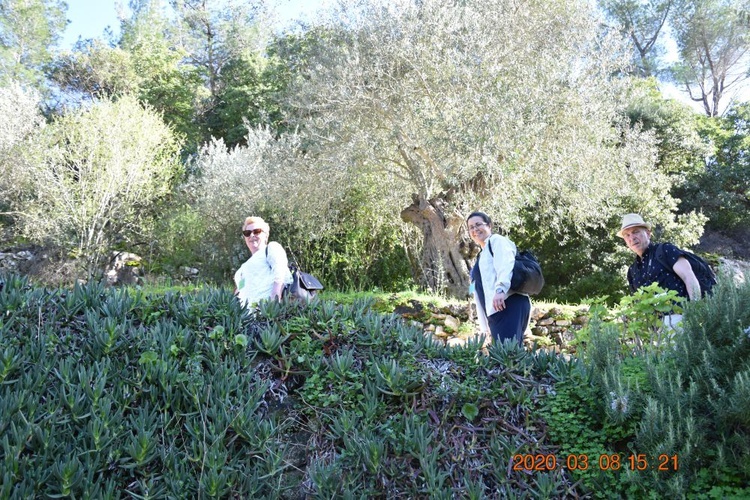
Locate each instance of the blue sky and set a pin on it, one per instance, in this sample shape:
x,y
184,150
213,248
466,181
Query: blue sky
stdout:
x,y
89,18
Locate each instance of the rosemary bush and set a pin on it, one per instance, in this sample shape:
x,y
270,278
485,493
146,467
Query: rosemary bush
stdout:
x,y
681,401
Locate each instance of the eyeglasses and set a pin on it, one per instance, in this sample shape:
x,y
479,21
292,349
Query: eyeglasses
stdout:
x,y
477,226
249,232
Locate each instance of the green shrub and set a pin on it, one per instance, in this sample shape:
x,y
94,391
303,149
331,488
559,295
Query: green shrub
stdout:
x,y
683,401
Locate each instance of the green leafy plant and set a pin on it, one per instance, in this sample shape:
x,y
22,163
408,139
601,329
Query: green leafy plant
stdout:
x,y
642,312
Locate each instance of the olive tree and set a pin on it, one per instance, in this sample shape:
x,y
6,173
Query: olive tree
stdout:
x,y
231,184
101,173
22,120
447,107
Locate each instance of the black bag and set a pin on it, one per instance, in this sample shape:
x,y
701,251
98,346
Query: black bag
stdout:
x,y
704,273
303,287
527,273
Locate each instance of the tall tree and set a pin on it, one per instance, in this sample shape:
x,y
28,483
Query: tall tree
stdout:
x,y
146,62
681,150
28,29
166,82
643,22
201,65
722,188
224,41
447,107
713,38
213,32
94,69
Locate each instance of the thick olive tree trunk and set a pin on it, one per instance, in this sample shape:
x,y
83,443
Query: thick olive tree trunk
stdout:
x,y
445,254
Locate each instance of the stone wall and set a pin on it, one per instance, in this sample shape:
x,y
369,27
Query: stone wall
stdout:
x,y
552,327
16,261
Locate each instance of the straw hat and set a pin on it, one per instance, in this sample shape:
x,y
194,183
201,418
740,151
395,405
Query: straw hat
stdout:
x,y
632,220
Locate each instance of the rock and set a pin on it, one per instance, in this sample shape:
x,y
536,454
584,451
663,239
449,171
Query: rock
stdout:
x,y
530,340
25,255
190,272
554,312
562,322
581,320
429,328
540,330
452,323
414,309
9,264
123,269
545,322
558,338
460,311
440,332
455,341
537,314
735,268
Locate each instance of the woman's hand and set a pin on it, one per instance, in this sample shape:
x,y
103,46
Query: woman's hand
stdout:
x,y
498,301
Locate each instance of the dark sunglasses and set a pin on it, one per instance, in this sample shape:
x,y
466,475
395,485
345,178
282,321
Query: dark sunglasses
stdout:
x,y
248,232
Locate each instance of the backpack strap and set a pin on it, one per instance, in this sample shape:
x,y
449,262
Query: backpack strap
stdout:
x,y
660,258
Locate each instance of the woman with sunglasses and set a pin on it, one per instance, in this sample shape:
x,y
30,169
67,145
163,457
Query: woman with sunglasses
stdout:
x,y
500,310
266,272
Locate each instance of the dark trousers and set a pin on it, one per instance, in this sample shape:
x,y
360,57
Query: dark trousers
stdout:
x,y
511,322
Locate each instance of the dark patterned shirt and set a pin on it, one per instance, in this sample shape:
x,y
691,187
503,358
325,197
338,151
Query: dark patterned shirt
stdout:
x,y
647,269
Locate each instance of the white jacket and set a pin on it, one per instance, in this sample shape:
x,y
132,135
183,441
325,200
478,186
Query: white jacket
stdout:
x,y
496,269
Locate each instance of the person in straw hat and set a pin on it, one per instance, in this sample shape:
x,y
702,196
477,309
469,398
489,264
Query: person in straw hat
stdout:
x,y
664,264
677,275
671,271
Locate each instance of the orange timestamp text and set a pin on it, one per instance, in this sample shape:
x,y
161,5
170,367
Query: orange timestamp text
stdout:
x,y
582,462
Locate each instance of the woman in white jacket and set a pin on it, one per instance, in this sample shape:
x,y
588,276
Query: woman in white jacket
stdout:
x,y
501,311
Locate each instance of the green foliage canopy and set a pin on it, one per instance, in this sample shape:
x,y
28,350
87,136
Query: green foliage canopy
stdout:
x,y
448,108
98,175
28,29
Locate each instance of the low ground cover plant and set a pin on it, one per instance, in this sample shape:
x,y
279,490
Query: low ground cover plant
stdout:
x,y
119,393
109,393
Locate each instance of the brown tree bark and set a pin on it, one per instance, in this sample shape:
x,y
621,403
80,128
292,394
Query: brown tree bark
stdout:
x,y
445,253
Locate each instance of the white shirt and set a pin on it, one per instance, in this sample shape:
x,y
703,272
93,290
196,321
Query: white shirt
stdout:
x,y
496,269
255,278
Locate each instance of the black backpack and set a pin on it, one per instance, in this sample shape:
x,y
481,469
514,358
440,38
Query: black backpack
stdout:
x,y
527,273
704,273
